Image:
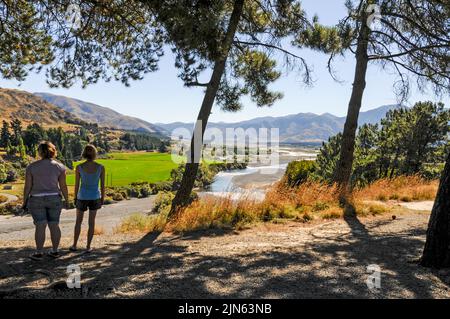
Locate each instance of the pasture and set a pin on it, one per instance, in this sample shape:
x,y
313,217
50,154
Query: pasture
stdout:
x,y
125,168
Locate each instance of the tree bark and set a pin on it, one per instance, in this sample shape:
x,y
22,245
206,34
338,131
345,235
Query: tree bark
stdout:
x,y
436,253
343,170
187,182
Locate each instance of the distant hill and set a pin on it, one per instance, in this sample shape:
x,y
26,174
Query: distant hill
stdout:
x,y
101,115
29,108
296,128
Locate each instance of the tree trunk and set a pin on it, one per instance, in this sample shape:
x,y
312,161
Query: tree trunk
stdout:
x,y
187,182
343,170
437,246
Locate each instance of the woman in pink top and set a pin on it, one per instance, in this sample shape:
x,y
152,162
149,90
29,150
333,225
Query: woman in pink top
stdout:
x,y
45,182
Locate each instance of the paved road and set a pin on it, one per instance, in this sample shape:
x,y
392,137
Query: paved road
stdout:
x,y
22,228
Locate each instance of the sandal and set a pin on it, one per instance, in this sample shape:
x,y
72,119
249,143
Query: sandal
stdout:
x,y
73,249
54,254
36,256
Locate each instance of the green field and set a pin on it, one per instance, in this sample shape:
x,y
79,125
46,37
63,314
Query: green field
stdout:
x,y
125,168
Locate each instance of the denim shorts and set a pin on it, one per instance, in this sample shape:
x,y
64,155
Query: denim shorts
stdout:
x,y
45,209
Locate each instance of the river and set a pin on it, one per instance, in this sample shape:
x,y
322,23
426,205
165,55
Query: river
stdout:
x,y
253,182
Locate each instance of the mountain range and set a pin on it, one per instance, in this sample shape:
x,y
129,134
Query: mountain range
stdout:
x,y
101,115
53,110
29,108
296,128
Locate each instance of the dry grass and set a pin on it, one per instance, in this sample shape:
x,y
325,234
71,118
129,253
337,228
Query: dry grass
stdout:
x,y
3,199
98,230
140,223
403,188
310,201
216,213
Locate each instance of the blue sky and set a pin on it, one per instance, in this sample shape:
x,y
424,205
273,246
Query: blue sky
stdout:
x,y
161,97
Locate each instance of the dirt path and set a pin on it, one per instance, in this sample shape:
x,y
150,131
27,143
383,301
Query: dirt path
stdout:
x,y
425,205
22,228
293,260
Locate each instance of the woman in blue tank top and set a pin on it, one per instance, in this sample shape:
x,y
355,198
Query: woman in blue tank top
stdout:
x,y
89,193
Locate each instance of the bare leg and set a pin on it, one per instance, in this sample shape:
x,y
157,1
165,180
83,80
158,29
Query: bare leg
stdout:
x,y
39,237
92,214
77,230
55,234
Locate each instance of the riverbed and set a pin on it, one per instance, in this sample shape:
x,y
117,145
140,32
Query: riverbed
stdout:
x,y
253,182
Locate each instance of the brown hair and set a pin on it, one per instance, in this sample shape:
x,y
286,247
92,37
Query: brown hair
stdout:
x,y
89,152
47,150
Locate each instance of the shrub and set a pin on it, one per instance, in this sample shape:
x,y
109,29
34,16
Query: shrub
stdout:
x,y
297,172
134,191
118,197
108,201
11,175
11,208
164,186
163,202
146,191
3,173
319,206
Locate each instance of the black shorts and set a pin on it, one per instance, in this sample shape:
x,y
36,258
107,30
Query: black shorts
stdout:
x,y
84,205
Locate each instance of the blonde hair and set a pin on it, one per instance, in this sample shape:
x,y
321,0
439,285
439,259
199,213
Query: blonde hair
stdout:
x,y
47,150
89,152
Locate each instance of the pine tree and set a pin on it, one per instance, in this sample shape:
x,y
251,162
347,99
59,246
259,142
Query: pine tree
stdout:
x,y
22,149
411,39
4,134
437,246
10,149
234,40
16,126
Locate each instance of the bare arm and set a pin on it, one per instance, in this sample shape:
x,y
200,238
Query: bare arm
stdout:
x,y
27,188
77,182
63,187
102,183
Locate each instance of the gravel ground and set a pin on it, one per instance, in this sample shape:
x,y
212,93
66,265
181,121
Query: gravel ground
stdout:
x,y
292,260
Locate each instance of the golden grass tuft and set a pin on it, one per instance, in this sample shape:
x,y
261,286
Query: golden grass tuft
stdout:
x,y
210,212
370,209
308,202
3,199
141,223
281,204
403,188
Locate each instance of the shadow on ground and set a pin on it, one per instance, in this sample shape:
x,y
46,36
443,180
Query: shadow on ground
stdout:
x,y
155,267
